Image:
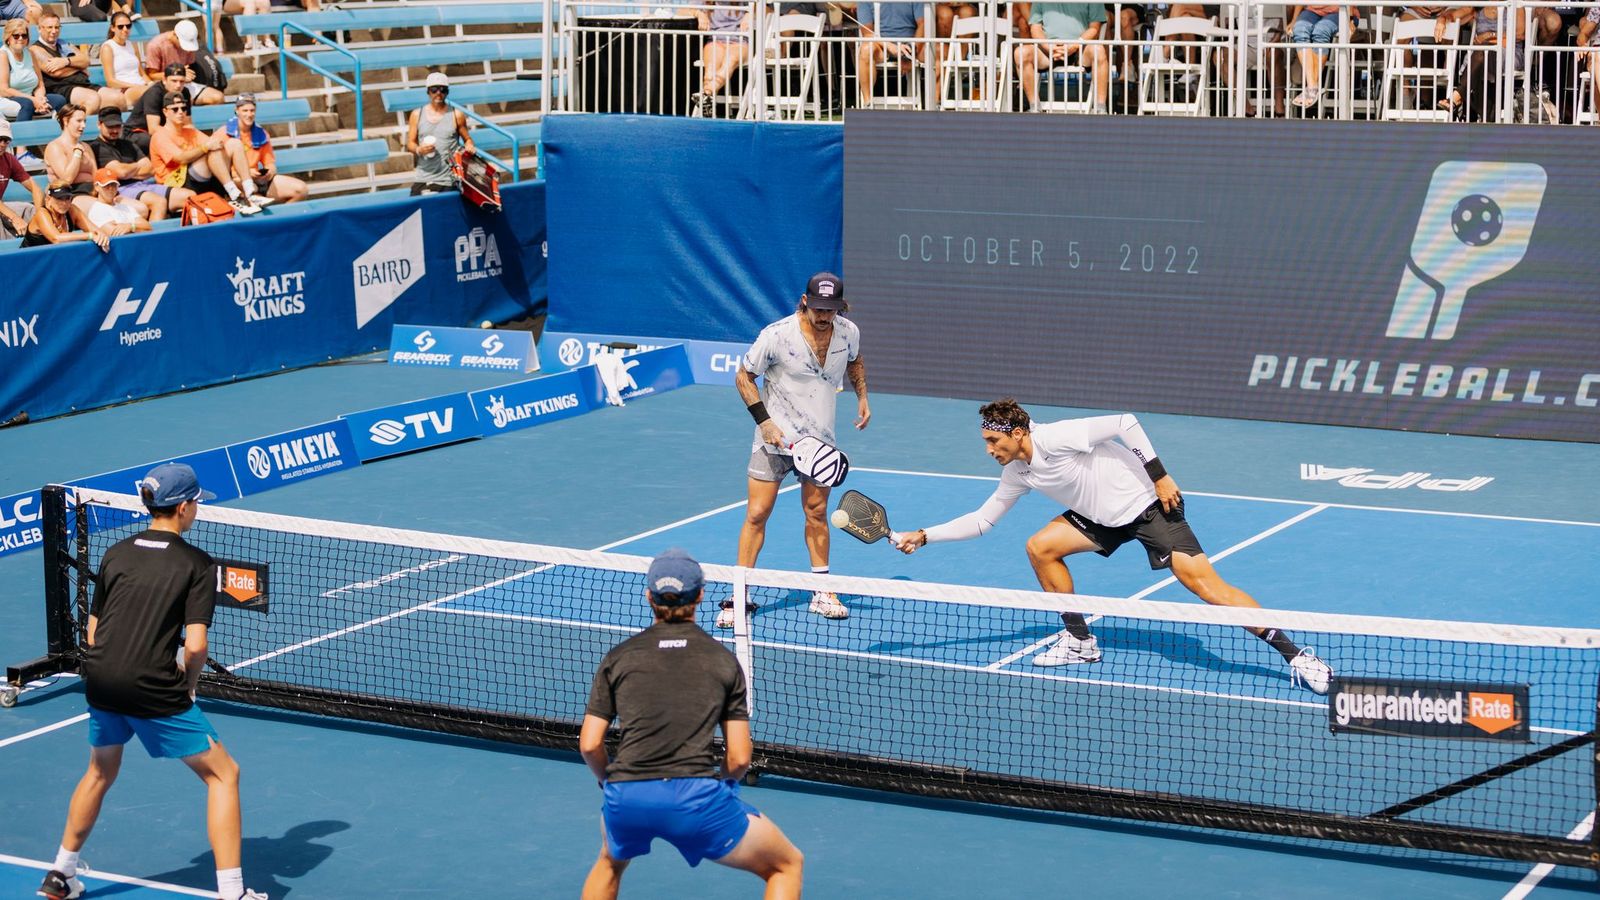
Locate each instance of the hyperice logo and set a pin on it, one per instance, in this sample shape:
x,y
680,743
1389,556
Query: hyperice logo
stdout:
x,y
127,305
1474,227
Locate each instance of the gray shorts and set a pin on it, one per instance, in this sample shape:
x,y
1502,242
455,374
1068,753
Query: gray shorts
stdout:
x,y
766,465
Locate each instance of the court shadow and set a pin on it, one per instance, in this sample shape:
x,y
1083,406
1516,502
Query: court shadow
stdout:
x,y
265,860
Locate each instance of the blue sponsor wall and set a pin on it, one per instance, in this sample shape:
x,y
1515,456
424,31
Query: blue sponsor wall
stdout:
x,y
181,308
710,229
250,467
712,362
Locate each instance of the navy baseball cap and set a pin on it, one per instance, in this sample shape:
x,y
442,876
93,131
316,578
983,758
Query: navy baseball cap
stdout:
x,y
170,484
825,290
675,572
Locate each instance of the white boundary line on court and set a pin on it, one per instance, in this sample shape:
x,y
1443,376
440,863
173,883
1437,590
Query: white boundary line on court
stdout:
x,y
1394,509
107,876
1538,873
419,607
1001,663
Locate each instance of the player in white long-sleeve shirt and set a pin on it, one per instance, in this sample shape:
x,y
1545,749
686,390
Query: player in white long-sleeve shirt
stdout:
x,y
1114,493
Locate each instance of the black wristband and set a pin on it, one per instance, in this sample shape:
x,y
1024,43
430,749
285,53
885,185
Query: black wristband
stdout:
x,y
1155,469
758,411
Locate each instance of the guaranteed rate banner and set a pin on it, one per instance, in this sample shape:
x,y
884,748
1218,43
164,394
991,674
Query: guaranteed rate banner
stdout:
x,y
1434,278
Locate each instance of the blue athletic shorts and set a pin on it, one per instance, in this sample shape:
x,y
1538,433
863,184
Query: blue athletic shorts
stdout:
x,y
173,737
703,817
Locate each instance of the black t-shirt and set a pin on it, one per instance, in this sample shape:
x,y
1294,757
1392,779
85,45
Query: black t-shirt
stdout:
x,y
75,77
149,105
668,687
149,587
120,150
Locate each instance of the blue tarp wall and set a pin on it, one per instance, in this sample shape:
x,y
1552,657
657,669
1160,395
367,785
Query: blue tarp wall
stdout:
x,y
688,228
187,307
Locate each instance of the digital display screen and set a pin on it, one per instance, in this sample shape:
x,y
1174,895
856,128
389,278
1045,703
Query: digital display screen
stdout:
x,y
1421,277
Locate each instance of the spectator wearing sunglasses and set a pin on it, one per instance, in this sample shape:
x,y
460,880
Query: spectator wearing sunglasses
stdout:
x,y
119,60
435,134
19,77
58,221
189,161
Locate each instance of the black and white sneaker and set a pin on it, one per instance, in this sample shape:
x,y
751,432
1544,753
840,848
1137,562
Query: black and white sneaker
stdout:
x,y
243,207
697,105
57,886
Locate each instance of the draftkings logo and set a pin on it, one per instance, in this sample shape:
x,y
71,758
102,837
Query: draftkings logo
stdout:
x,y
503,415
272,297
1429,709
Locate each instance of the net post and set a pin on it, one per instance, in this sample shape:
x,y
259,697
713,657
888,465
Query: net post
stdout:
x,y
741,634
61,651
1594,750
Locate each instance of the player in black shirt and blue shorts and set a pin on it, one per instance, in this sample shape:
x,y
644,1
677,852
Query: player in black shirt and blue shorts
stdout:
x,y
150,587
669,687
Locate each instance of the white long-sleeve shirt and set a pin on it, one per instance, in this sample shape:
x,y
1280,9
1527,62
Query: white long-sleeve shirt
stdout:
x,y
1078,463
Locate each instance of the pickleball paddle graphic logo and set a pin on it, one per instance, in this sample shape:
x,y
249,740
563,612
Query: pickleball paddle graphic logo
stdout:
x,y
1474,227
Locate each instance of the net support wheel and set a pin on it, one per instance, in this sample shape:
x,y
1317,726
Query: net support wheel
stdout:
x,y
8,695
751,778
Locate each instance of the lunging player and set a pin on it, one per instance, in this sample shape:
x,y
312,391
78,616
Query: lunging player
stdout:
x,y
1114,493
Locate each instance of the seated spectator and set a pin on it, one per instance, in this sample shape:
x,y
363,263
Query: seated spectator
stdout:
x,y
180,46
111,212
19,82
122,158
725,52
1589,36
249,143
434,135
149,114
65,68
1064,27
120,63
14,216
59,221
96,10
25,11
1474,65
1314,25
68,159
900,21
1123,21
189,162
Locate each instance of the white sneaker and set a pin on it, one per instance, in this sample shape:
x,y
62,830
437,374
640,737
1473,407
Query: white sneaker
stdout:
x,y
59,887
261,201
1306,669
827,605
243,207
725,617
252,895
1069,651
268,44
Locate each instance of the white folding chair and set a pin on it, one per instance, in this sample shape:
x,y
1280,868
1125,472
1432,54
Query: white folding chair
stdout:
x,y
1175,81
790,60
1433,66
976,63
1066,88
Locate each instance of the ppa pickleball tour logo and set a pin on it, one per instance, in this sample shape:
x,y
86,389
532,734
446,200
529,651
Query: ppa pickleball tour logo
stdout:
x,y
1474,227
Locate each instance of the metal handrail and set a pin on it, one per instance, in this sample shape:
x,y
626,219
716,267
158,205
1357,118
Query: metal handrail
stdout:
x,y
516,145
285,54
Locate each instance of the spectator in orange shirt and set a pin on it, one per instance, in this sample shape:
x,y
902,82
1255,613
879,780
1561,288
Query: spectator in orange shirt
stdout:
x,y
247,141
189,162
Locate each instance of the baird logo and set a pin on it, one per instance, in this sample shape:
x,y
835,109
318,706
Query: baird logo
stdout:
x,y
272,297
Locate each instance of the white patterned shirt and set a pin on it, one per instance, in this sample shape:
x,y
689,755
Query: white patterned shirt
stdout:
x,y
799,392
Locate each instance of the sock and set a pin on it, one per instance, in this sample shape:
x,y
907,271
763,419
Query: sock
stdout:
x,y
232,189
1076,626
249,189
1281,643
230,883
819,570
66,862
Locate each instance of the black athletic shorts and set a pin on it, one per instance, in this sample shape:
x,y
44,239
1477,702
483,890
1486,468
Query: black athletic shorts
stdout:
x,y
1161,533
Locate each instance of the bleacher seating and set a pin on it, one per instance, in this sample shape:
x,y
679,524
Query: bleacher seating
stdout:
x,y
332,156
404,100
429,55
206,118
405,16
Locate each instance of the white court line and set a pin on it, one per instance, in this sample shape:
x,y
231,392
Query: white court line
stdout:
x,y
1168,580
1538,873
419,607
107,876
1394,509
19,738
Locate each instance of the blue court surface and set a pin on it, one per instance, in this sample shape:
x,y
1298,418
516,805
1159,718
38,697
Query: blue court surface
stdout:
x,y
335,809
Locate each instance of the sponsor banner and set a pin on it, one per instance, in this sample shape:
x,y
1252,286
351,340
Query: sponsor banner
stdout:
x,y
638,375
1459,299
19,523
164,311
242,585
1429,709
391,430
1367,479
280,459
210,466
512,407
462,348
712,362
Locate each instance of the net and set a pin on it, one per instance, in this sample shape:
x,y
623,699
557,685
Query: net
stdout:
x,y
1436,735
